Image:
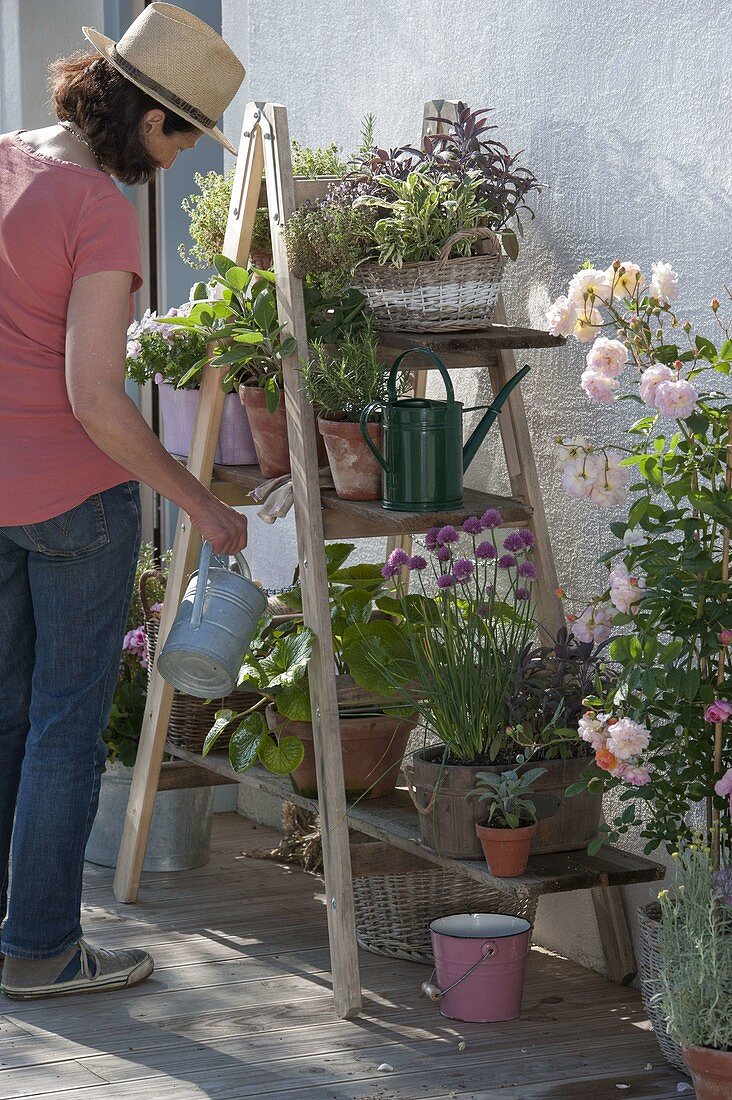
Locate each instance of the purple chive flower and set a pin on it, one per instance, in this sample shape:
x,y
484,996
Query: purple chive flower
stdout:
x,y
447,534
398,558
527,538
417,562
442,553
463,569
473,525
527,569
446,580
491,518
430,539
389,571
523,594
506,561
485,549
514,541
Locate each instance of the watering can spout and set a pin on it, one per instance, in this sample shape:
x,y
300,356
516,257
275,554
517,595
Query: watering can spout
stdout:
x,y
481,430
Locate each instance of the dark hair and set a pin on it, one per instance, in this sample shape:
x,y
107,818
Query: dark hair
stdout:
x,y
108,109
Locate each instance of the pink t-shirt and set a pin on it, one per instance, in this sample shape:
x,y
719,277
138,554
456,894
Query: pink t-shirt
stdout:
x,y
58,221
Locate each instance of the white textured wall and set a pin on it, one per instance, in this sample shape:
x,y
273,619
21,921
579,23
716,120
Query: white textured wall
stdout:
x,y
623,111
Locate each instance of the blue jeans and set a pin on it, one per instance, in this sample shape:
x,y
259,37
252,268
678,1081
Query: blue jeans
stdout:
x,y
65,588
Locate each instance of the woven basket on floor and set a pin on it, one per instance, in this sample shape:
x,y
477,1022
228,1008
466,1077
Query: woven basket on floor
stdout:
x,y
190,718
649,917
393,912
440,295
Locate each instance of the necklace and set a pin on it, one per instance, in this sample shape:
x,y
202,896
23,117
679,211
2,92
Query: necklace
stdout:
x,y
80,137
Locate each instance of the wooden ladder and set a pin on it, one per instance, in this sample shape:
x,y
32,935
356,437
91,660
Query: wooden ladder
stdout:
x,y
265,150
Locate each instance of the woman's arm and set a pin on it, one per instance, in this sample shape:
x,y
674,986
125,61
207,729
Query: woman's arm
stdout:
x,y
96,333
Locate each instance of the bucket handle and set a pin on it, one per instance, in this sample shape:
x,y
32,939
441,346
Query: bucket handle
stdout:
x,y
487,950
204,563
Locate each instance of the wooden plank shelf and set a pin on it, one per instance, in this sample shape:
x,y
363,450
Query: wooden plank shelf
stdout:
x,y
367,518
468,348
394,820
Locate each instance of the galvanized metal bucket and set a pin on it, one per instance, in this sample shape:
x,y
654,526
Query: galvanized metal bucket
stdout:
x,y
215,624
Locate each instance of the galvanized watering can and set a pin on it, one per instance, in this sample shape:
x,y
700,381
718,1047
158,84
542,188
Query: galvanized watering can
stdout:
x,y
215,624
424,458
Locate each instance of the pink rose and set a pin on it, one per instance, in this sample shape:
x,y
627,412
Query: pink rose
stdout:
x,y
607,357
723,786
598,386
651,379
676,400
718,711
633,774
725,637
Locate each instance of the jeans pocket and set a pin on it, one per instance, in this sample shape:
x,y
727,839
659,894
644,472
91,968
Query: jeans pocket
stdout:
x,y
79,531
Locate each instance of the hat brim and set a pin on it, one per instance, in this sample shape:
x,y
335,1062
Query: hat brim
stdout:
x,y
106,46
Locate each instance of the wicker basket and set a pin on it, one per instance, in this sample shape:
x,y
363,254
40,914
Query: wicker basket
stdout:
x,y
190,718
440,295
649,917
393,912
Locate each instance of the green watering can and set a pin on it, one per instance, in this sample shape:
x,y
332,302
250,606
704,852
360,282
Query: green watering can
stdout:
x,y
424,458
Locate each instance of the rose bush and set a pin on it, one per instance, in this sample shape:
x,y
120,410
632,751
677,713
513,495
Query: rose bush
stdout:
x,y
663,733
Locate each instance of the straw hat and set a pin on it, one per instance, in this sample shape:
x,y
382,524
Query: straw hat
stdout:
x,y
178,60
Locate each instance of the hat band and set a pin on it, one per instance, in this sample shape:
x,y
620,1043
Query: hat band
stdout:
x,y
143,78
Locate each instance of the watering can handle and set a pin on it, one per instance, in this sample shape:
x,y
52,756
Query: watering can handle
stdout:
x,y
204,564
391,385
364,431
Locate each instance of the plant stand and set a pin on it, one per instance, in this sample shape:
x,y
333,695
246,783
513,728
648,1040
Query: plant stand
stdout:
x,y
265,147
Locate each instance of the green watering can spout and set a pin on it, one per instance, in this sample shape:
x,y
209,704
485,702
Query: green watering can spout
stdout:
x,y
482,428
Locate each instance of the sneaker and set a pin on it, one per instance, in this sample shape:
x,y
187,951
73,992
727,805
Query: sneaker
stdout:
x,y
81,969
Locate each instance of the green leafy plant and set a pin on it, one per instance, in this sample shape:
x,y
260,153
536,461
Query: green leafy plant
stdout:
x,y
161,351
122,734
342,383
510,798
696,947
277,665
326,239
454,652
419,213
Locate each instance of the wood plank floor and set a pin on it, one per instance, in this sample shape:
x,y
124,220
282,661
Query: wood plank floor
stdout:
x,y
239,1006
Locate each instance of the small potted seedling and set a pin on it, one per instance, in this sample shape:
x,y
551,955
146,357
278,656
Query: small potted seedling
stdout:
x,y
513,811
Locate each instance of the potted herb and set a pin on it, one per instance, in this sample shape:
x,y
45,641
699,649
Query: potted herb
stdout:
x,y
513,811
341,383
454,649
374,729
181,827
545,711
696,964
172,357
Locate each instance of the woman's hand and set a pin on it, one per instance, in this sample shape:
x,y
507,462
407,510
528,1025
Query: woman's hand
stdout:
x,y
220,525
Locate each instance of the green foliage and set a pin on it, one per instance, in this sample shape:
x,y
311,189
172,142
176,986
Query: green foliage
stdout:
x,y
122,734
157,348
418,214
511,799
313,161
696,948
344,382
326,239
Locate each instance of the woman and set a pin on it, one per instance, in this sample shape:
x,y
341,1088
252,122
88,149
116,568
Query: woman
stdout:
x,y
73,448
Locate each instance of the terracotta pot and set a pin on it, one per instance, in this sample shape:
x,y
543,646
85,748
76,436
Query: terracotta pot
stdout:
x,y
373,749
711,1072
577,820
356,473
269,432
261,258
178,416
506,851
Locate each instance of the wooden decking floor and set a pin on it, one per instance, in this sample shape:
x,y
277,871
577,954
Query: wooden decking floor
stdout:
x,y
239,1007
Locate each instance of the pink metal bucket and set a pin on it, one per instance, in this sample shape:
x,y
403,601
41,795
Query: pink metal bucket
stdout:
x,y
178,414
480,960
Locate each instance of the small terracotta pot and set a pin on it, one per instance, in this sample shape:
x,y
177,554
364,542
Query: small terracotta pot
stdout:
x,y
506,851
269,432
711,1072
356,473
373,748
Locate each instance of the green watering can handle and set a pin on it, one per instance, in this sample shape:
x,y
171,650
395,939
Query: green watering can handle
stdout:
x,y
204,563
391,385
364,431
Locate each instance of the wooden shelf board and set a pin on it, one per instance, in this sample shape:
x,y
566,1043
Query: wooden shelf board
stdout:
x,y
485,342
367,518
394,820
